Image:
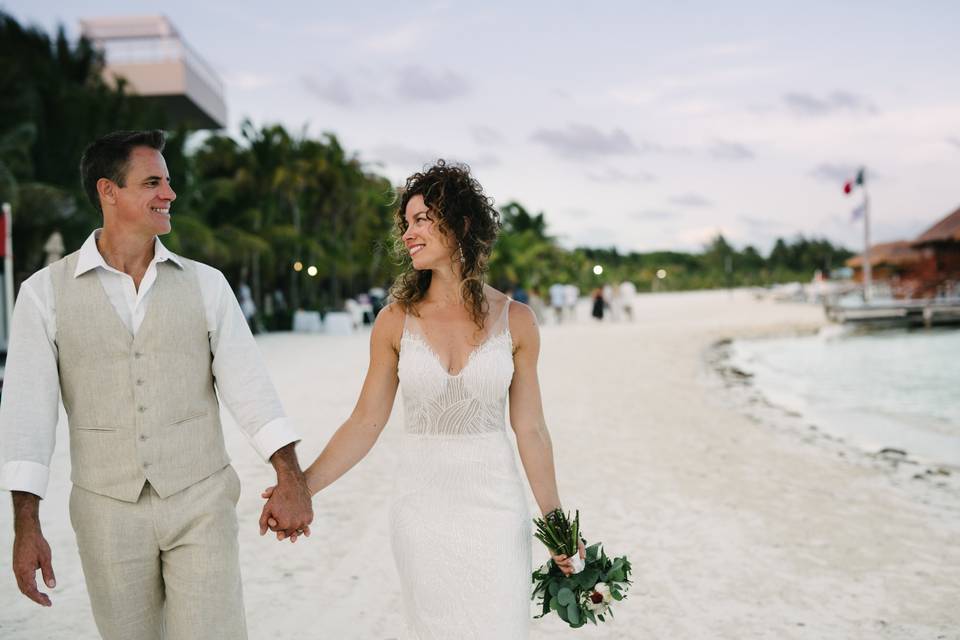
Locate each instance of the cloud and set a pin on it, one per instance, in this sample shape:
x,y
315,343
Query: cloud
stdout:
x,y
690,199
762,224
482,134
726,150
954,140
336,90
402,39
582,140
482,161
808,105
245,81
648,215
596,237
611,175
418,84
838,173
398,154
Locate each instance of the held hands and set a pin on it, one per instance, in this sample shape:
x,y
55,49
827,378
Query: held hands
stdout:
x,y
565,563
288,511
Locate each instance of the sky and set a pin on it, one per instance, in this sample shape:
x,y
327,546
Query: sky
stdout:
x,y
630,124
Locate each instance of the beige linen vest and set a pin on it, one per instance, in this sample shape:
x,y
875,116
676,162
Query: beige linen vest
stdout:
x,y
140,408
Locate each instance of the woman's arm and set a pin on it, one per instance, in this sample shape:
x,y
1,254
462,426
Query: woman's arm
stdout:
x,y
356,436
526,409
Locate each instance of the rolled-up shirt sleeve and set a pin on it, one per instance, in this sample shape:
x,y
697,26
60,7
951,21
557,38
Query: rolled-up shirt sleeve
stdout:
x,y
29,407
241,375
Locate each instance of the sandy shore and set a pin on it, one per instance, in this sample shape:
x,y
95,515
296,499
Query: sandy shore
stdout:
x,y
737,528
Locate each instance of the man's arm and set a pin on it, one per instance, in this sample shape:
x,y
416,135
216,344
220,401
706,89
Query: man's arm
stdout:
x,y
30,548
246,390
28,424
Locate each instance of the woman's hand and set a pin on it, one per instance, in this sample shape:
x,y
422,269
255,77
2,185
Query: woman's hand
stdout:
x,y
566,564
267,493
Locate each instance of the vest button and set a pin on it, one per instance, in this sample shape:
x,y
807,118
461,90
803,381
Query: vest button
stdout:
x,y
141,408
137,354
143,438
146,464
139,382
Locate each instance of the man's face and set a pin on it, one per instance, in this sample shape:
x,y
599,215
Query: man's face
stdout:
x,y
144,203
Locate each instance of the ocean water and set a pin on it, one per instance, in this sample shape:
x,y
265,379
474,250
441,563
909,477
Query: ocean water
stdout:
x,y
888,389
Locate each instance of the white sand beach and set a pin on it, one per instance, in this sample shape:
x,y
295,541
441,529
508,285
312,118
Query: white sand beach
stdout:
x,y
737,528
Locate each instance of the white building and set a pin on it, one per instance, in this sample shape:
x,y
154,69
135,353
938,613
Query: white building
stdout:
x,y
148,52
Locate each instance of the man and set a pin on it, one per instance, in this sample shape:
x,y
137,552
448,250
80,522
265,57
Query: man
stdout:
x,y
136,339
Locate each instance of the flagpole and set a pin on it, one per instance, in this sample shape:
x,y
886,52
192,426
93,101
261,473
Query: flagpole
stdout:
x,y
867,273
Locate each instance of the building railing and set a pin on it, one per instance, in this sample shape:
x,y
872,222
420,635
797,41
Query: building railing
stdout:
x,y
156,50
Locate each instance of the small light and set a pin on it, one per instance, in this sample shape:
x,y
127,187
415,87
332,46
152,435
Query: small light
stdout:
x,y
597,270
311,271
298,266
661,273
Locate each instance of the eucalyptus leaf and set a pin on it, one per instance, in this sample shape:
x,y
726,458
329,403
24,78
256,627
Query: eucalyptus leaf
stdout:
x,y
565,597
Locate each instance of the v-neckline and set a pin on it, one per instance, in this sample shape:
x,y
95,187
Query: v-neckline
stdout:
x,y
436,356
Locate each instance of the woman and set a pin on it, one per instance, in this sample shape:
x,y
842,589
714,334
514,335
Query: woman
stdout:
x,y
460,527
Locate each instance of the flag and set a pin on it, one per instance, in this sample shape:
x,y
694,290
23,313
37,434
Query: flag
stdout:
x,y
855,182
857,213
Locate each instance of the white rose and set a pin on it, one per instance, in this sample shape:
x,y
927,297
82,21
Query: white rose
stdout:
x,y
604,590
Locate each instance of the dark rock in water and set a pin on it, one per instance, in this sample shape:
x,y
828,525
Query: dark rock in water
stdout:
x,y
890,452
740,373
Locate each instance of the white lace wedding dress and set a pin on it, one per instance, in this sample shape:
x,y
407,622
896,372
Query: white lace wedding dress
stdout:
x,y
460,526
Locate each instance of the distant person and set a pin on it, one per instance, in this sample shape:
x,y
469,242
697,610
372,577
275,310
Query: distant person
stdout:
x,y
247,306
611,300
558,299
520,295
598,304
537,304
628,295
571,295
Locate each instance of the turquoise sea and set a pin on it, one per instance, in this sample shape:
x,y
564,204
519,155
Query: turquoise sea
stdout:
x,y
895,389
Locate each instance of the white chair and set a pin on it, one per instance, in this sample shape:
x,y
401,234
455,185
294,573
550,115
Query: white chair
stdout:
x,y
338,323
307,322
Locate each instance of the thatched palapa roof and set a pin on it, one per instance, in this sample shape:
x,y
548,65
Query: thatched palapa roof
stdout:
x,y
894,254
945,231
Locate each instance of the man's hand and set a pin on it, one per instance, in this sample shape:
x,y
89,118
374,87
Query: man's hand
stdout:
x,y
30,549
288,510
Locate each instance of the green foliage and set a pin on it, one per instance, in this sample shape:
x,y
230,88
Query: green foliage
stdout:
x,y
255,205
569,596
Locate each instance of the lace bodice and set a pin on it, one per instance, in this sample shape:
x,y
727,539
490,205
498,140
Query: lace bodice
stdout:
x,y
471,402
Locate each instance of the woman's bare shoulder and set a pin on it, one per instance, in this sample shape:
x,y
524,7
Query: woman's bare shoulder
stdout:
x,y
389,324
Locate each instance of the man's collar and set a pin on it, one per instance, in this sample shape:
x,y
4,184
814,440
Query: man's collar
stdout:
x,y
90,257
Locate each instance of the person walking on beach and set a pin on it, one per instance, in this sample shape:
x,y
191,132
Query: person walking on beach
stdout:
x,y
138,341
598,304
456,348
558,299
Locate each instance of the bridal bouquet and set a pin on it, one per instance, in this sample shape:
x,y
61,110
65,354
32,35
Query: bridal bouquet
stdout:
x,y
586,594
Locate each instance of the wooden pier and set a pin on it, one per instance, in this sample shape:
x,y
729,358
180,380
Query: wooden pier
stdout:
x,y
913,313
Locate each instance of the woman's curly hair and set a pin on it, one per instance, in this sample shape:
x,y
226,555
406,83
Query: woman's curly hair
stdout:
x,y
461,210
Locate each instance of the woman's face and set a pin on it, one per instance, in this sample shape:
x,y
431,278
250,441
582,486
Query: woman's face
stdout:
x,y
429,248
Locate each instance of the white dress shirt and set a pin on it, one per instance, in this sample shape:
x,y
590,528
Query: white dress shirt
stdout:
x,y
31,390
